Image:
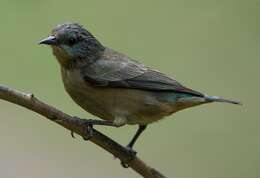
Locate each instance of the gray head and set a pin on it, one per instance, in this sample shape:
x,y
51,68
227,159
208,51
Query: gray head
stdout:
x,y
71,42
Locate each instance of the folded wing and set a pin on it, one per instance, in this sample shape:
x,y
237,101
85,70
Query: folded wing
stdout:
x,y
120,71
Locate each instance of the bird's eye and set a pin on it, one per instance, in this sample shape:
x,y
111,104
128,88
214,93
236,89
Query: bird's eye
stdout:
x,y
72,41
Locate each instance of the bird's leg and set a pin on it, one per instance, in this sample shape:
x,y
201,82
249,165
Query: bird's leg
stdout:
x,y
98,122
90,123
136,136
132,142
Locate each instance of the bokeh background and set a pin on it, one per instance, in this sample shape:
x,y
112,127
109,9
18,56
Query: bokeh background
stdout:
x,y
210,45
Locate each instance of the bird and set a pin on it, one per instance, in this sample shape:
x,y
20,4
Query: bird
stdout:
x,y
114,87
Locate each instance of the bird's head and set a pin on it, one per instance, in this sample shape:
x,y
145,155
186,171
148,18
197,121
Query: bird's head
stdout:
x,y
72,44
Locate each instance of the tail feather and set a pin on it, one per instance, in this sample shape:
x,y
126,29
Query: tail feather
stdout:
x,y
219,99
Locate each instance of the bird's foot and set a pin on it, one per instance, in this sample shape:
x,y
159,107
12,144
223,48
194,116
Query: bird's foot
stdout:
x,y
72,134
132,154
89,128
88,132
131,151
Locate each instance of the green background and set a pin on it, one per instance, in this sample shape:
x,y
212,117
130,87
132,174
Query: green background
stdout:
x,y
212,46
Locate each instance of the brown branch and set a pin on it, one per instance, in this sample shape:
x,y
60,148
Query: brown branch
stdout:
x,y
78,126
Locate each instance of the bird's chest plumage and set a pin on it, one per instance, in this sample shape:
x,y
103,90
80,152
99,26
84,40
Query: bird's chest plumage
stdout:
x,y
83,94
137,106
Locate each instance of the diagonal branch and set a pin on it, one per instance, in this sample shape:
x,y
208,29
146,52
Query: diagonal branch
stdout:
x,y
76,125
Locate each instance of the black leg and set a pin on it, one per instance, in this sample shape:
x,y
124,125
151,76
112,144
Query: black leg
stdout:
x,y
132,142
91,122
136,136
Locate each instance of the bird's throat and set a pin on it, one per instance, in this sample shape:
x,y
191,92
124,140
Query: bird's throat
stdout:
x,y
68,62
62,57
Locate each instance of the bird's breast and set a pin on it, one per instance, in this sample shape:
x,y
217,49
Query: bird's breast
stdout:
x,y
82,93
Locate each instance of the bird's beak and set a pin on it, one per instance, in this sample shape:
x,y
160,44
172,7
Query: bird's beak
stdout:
x,y
50,40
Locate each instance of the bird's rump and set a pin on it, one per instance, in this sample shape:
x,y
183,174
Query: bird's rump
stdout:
x,y
117,70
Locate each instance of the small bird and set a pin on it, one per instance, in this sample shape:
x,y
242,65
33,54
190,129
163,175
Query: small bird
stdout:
x,y
114,87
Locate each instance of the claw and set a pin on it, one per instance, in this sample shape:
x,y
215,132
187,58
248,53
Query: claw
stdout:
x,y
132,154
124,165
89,132
131,151
72,134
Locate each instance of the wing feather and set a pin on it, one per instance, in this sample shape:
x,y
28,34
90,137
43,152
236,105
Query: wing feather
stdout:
x,y
117,70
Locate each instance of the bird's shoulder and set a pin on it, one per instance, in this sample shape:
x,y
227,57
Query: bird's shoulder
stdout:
x,y
113,66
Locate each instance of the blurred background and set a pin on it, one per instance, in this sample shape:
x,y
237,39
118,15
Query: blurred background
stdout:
x,y
211,46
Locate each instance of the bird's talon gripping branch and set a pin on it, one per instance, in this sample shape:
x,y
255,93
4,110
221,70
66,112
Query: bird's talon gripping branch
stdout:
x,y
132,155
131,151
72,134
88,125
124,165
89,132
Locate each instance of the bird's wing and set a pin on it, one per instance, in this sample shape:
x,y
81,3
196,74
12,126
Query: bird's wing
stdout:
x,y
120,71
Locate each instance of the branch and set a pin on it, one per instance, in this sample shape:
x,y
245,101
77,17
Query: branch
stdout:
x,y
78,126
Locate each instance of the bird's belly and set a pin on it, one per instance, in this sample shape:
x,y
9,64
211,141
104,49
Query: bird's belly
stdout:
x,y
111,103
136,106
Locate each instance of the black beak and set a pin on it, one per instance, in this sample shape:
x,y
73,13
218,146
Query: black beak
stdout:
x,y
50,40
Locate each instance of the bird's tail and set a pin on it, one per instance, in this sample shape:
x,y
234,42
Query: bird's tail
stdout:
x,y
219,99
